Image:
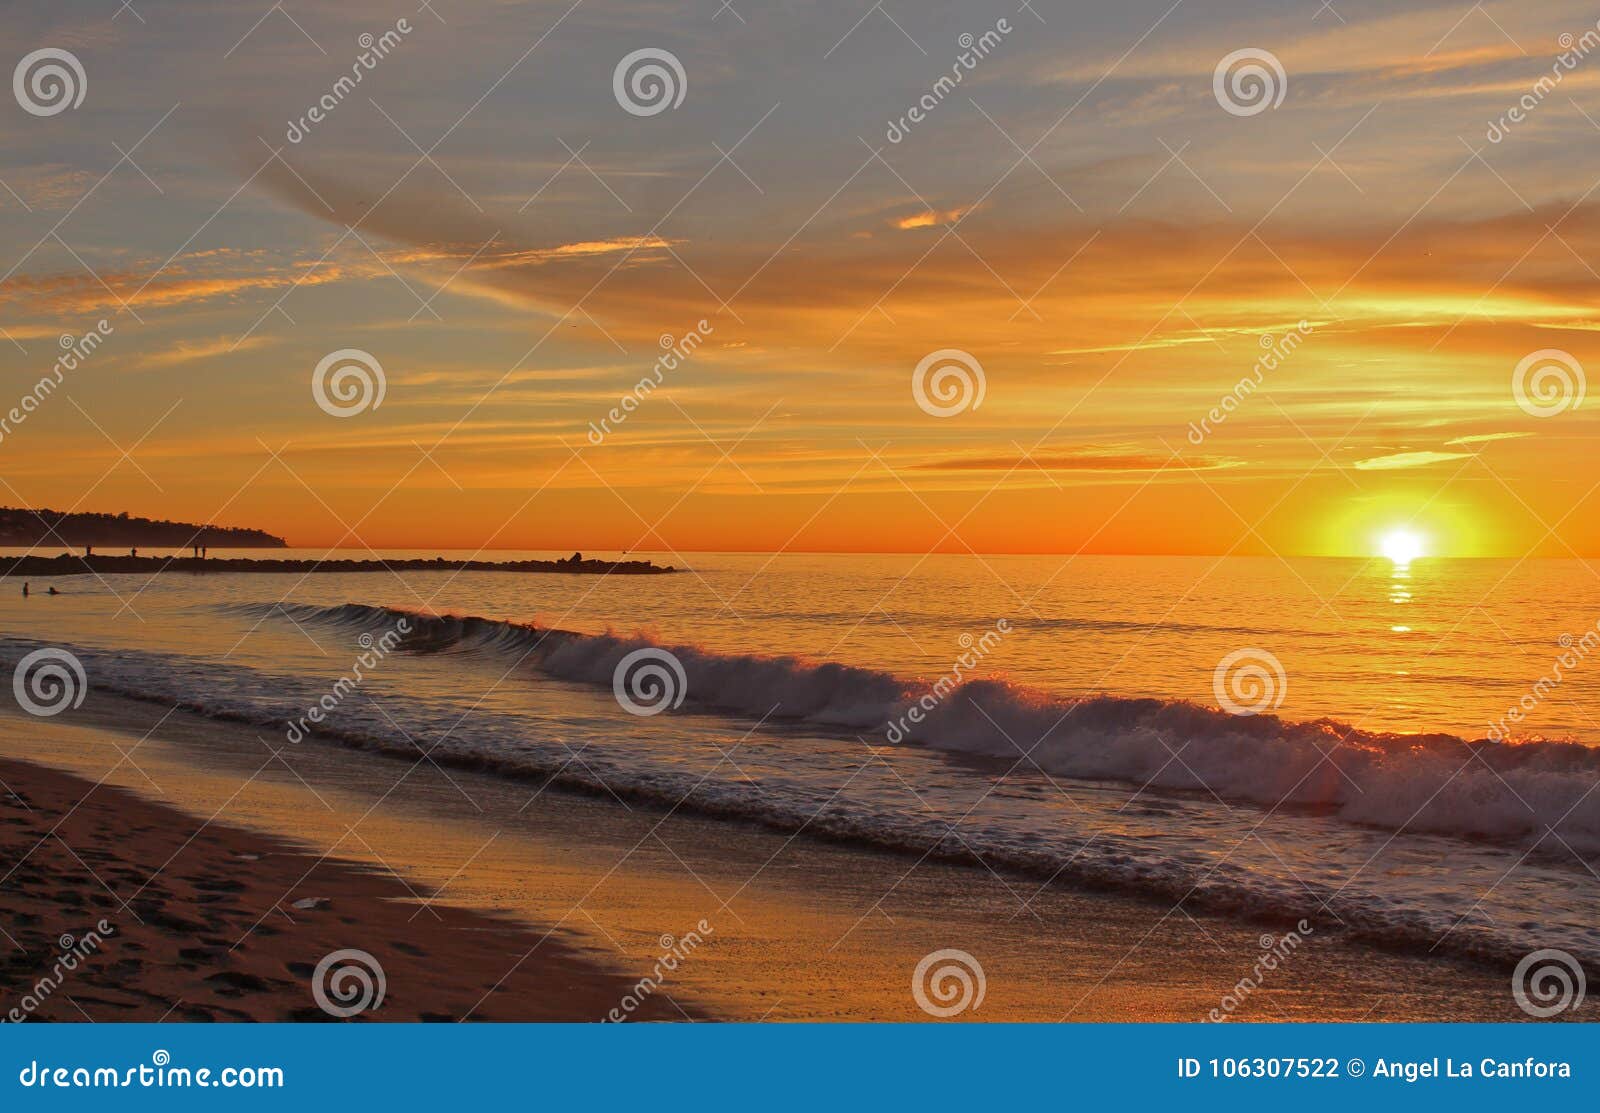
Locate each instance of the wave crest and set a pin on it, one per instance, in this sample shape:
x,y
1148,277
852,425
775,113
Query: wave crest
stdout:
x,y
1433,783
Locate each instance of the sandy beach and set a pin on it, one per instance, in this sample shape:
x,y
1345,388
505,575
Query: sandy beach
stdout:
x,y
487,899
162,915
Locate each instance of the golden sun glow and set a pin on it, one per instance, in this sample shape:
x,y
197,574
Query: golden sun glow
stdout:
x,y
1402,546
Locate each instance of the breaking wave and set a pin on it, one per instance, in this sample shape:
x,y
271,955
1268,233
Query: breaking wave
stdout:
x,y
1509,793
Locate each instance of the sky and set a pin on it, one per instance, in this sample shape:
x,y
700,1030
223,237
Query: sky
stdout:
x,y
1025,311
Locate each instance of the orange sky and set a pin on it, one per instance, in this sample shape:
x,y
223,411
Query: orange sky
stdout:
x,y
1081,216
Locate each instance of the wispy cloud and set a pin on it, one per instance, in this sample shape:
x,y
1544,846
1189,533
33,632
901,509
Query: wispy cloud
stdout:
x,y
188,351
1086,460
1399,460
1486,438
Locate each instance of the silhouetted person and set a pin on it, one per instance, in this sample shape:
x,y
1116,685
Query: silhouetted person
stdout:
x,y
88,550
133,552
24,590
52,590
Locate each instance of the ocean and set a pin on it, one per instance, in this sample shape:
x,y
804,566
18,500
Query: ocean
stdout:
x,y
1404,753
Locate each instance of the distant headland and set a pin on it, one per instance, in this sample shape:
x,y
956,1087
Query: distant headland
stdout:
x,y
71,564
81,530
48,528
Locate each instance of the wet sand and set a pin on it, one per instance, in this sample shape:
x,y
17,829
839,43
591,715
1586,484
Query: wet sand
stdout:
x,y
796,929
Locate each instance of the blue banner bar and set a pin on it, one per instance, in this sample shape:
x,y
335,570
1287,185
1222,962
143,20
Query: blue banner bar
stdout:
x,y
708,1067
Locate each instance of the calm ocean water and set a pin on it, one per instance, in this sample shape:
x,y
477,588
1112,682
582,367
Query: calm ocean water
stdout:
x,y
1069,718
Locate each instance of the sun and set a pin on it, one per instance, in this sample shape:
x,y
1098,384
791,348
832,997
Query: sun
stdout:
x,y
1402,546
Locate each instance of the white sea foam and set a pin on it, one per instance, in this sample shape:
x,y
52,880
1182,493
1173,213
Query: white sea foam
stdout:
x,y
1514,794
